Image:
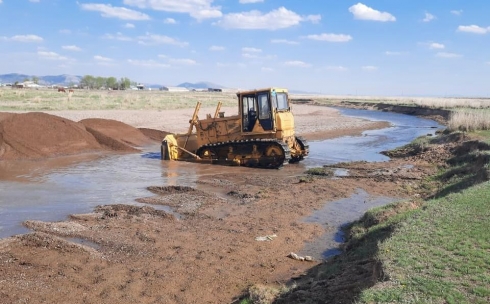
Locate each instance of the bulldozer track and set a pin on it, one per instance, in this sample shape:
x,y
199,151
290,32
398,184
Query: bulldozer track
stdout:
x,y
260,153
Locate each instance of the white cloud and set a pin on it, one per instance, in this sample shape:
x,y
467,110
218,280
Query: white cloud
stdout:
x,y
148,63
51,55
457,12
448,55
169,21
71,48
109,11
251,50
250,1
363,12
198,9
35,1
152,39
255,20
25,38
177,61
267,69
64,31
182,61
250,56
101,58
313,18
370,68
216,48
119,36
297,63
129,25
429,17
436,46
475,29
488,62
330,37
284,41
257,56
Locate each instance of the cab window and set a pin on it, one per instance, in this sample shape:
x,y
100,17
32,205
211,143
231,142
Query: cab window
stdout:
x,y
264,106
282,101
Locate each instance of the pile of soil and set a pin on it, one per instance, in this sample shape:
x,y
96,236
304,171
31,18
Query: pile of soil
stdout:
x,y
40,135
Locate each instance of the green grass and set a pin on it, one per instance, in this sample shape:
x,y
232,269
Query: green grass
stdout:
x,y
439,254
320,171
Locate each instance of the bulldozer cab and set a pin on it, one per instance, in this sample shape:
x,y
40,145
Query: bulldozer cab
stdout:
x,y
258,108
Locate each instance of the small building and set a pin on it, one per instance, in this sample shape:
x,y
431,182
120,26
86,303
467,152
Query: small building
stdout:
x,y
214,90
174,89
31,85
140,86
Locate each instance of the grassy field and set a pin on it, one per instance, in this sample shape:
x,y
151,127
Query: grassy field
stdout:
x,y
439,254
52,100
470,120
429,102
434,251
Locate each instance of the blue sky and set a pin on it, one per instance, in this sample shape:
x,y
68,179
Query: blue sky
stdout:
x,y
372,47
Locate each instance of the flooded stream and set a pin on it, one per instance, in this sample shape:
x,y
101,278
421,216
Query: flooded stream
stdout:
x,y
53,189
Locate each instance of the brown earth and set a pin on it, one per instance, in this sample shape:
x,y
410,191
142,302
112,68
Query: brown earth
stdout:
x,y
39,135
206,250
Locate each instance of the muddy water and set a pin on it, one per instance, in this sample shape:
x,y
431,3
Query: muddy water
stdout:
x,y
53,189
117,179
334,216
404,129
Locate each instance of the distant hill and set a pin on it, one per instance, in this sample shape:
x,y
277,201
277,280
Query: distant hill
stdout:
x,y
200,85
43,80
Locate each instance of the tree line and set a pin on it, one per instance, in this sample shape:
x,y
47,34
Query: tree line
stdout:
x,y
92,82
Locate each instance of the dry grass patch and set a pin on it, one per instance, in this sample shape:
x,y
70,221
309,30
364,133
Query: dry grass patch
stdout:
x,y
470,120
51,100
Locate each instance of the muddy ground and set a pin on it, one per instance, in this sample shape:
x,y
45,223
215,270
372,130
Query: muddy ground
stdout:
x,y
204,252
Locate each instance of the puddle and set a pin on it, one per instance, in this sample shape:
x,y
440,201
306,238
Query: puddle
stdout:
x,y
50,190
165,208
333,216
339,172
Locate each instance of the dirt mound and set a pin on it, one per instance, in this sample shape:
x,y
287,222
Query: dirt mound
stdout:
x,y
5,115
115,134
39,135
153,134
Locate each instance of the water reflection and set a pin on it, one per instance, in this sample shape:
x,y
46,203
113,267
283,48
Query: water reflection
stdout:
x,y
334,216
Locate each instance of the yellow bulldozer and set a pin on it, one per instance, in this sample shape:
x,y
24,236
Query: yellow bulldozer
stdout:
x,y
261,135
